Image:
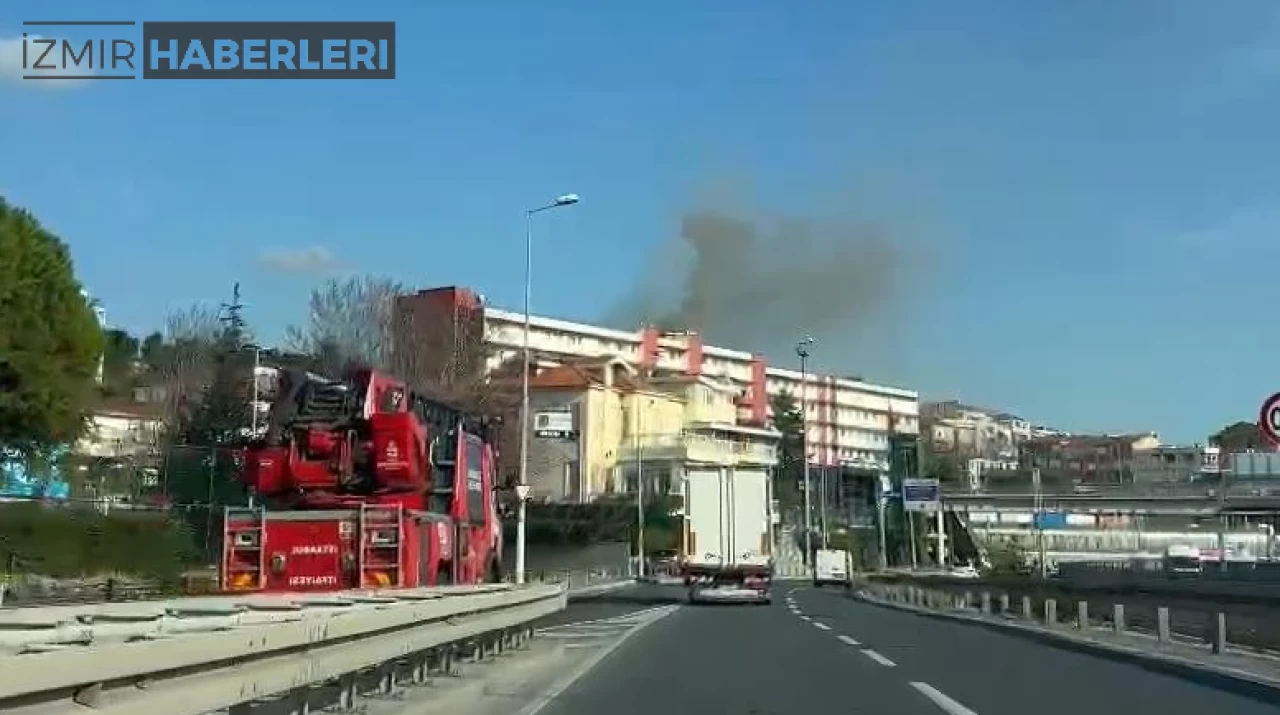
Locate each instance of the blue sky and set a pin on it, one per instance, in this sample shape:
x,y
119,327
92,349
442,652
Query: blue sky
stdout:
x,y
1088,189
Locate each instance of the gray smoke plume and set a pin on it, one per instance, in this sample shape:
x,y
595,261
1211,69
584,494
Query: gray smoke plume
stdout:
x,y
756,285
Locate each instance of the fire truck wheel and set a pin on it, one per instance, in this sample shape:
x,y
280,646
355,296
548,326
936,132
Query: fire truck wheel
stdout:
x,y
444,577
495,571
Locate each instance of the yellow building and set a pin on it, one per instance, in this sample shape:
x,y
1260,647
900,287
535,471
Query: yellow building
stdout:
x,y
597,424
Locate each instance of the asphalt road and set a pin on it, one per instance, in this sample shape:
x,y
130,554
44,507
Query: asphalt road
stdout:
x,y
835,655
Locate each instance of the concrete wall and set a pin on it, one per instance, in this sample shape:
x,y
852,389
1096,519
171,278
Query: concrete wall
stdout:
x,y
608,556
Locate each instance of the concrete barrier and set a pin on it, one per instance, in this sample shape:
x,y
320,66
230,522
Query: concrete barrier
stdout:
x,y
142,666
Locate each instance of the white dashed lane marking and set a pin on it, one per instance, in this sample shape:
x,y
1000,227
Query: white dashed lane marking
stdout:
x,y
821,626
878,658
940,699
847,640
806,619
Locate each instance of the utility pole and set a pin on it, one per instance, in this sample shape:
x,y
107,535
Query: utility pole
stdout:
x,y
1037,513
881,511
911,530
1222,516
942,536
883,534
802,350
257,363
639,448
822,505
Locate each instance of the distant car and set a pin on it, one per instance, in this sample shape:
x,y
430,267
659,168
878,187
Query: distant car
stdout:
x,y
965,572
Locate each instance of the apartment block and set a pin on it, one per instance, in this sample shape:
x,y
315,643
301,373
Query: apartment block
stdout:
x,y
1087,459
849,419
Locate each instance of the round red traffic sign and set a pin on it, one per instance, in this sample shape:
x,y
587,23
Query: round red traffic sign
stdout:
x,y
1269,418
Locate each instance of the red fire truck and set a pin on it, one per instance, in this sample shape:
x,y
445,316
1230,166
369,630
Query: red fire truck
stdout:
x,y
364,483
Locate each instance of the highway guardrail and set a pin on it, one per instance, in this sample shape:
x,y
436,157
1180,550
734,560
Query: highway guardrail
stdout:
x,y
192,656
1251,615
1112,630
107,589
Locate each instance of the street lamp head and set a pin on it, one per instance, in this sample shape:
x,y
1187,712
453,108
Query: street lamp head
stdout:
x,y
566,200
802,347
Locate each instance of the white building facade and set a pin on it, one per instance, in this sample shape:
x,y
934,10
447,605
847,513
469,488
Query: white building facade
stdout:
x,y
849,421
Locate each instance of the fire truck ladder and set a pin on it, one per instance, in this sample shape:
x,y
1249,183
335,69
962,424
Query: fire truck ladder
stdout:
x,y
381,546
244,548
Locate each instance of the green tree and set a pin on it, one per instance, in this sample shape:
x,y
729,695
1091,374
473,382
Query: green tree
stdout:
x,y
1241,437
789,474
119,362
151,349
50,340
213,370
946,468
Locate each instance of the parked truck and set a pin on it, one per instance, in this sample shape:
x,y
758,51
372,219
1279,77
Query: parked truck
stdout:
x,y
727,549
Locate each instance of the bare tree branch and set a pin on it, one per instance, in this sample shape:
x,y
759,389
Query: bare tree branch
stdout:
x,y
184,366
349,321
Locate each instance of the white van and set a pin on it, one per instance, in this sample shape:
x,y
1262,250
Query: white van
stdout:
x,y
831,566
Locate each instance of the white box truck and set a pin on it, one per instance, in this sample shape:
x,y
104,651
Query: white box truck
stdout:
x,y
728,536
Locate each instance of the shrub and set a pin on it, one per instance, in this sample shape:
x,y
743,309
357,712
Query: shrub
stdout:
x,y
68,542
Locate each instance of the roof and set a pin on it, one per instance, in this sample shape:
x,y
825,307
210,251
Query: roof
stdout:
x,y
563,377
1084,440
130,410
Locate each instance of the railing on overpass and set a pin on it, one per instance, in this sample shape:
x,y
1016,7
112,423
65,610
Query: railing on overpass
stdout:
x,y
1146,571
1171,490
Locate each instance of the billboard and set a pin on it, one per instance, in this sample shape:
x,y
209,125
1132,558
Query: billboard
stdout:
x,y
557,424
921,494
1050,520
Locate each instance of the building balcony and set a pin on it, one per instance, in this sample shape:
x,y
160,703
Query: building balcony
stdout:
x,y
698,448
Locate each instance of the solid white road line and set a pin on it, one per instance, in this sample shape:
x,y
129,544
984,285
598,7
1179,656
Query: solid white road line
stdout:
x,y
592,661
878,658
821,626
624,619
940,699
848,641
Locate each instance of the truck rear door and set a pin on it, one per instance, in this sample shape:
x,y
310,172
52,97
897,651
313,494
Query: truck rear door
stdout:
x,y
704,509
749,497
728,512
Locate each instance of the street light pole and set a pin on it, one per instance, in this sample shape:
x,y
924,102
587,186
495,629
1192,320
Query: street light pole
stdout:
x,y
522,486
802,350
822,505
257,362
639,449
1222,518
1038,522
